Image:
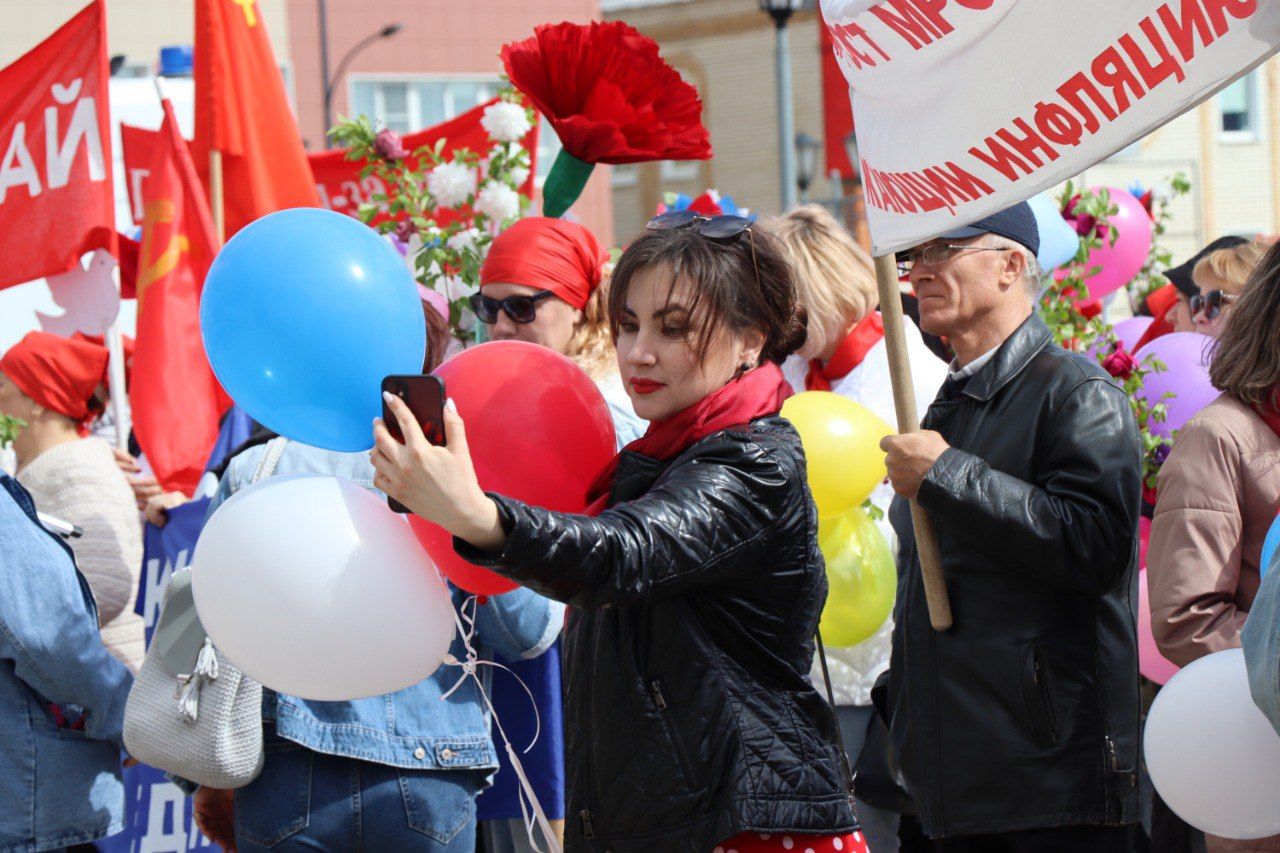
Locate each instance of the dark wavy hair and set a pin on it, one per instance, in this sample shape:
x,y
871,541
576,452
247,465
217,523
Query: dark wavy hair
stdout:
x,y
1246,355
738,284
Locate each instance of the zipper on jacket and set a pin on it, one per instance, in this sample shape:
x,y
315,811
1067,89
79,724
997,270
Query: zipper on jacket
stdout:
x,y
659,700
1111,754
588,831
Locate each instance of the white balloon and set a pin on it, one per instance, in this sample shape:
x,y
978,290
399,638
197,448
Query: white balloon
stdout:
x,y
1212,754
313,587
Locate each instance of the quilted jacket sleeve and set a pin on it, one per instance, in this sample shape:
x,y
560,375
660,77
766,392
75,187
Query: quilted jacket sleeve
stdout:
x,y
698,525
1193,565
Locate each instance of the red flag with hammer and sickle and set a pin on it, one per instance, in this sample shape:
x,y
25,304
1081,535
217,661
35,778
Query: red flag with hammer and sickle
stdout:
x,y
176,400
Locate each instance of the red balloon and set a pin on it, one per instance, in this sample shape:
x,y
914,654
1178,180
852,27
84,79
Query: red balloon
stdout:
x,y
539,431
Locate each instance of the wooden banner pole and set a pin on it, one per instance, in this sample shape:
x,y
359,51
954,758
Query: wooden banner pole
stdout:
x,y
904,401
215,196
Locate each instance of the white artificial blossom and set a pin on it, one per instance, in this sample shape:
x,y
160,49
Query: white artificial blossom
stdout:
x,y
505,121
452,183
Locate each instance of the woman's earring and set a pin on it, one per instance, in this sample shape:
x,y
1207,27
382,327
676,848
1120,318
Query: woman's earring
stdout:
x,y
743,368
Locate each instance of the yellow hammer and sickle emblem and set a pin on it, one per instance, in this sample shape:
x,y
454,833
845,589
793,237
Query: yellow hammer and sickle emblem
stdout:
x,y
152,266
250,12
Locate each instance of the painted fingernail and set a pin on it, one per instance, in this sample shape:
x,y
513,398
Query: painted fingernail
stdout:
x,y
451,406
386,395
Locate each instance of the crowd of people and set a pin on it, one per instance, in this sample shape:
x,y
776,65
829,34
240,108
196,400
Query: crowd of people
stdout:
x,y
680,609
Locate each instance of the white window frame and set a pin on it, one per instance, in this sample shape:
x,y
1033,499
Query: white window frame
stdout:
x,y
414,104
680,170
624,175
1253,134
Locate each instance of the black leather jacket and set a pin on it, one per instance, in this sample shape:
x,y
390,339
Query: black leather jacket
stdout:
x,y
689,716
1025,713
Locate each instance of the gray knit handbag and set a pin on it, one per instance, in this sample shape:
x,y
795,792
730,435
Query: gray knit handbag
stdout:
x,y
204,726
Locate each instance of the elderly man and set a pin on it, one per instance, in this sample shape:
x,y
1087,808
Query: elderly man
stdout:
x,y
1017,729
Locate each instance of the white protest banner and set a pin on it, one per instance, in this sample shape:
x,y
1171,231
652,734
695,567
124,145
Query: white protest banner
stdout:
x,y
964,107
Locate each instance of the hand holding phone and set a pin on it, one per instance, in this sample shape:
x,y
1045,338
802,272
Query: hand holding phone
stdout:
x,y
424,395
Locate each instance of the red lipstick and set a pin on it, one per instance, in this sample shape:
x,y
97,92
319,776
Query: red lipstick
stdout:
x,y
645,386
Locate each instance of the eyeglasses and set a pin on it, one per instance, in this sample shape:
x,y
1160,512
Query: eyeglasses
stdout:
x,y
521,309
1210,304
937,253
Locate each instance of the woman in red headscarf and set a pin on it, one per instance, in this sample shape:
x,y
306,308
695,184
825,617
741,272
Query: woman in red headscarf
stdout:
x,y
55,387
545,281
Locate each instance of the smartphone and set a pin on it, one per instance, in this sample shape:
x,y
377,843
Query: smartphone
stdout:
x,y
424,395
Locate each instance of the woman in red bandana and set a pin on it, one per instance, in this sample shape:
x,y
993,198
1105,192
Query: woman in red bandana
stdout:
x,y
55,386
695,578
845,353
544,281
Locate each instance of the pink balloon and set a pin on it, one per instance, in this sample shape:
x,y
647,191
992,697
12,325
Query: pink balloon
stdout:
x,y
1122,261
1151,663
1185,355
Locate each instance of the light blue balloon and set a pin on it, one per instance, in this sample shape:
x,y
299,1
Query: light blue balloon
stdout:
x,y
1270,546
303,313
1058,240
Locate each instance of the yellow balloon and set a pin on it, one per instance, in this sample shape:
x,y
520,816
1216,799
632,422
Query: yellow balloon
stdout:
x,y
841,440
861,578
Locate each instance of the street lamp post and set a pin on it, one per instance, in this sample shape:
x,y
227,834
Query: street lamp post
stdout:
x,y
781,11
330,83
856,220
806,162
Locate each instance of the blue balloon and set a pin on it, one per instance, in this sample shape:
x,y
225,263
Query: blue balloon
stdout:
x,y
303,313
1058,240
1270,547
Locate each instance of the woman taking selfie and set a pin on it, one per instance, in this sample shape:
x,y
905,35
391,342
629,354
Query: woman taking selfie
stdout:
x,y
694,578
544,282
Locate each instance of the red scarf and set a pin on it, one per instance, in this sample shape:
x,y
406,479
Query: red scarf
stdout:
x,y
1271,414
852,350
753,395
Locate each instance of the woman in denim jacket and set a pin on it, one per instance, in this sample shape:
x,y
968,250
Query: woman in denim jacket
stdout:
x,y
62,695
393,772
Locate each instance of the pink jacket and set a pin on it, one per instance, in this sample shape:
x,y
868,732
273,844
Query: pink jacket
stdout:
x,y
1219,492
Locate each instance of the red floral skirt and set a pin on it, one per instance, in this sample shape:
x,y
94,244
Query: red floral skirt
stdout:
x,y
756,842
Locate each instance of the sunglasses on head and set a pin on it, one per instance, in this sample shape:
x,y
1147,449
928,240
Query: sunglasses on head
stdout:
x,y
722,227
1210,304
521,309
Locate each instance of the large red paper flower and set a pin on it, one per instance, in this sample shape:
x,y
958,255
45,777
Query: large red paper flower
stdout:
x,y
609,95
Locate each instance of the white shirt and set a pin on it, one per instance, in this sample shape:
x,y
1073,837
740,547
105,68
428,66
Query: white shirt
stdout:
x,y
627,425
972,367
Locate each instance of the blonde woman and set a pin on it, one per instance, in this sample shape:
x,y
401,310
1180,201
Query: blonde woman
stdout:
x,y
1220,276
544,282
845,353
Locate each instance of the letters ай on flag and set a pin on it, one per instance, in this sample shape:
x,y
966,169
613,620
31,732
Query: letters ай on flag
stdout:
x,y
242,111
56,198
967,106
341,188
175,398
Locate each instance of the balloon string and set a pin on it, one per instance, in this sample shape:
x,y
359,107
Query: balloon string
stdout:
x,y
469,669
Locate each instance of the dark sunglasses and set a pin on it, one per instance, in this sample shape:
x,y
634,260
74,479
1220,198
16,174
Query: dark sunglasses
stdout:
x,y
1210,304
723,227
521,309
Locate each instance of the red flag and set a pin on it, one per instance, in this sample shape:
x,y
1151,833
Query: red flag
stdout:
x,y
56,197
242,111
138,147
341,188
176,399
